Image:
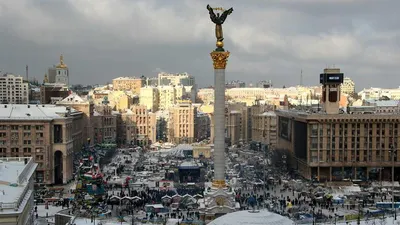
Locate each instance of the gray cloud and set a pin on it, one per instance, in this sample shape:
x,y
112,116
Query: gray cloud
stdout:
x,y
273,39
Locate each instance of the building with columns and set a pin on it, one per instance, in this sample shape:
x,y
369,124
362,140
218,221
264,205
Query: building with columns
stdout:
x,y
49,134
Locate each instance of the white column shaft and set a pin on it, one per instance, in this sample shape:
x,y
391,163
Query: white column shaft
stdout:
x,y
219,124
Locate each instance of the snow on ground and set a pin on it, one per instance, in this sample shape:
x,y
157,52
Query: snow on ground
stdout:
x,y
387,221
114,221
51,211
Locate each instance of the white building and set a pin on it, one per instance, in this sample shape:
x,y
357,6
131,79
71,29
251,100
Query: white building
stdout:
x,y
16,190
13,89
348,86
185,80
377,93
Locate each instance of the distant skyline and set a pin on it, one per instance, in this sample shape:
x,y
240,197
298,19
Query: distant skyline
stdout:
x,y
268,40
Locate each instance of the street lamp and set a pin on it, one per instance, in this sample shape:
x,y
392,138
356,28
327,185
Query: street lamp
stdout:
x,y
392,153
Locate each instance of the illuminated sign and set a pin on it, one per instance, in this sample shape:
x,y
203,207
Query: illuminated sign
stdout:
x,y
325,78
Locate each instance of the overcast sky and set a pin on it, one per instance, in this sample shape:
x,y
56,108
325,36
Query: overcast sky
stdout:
x,y
268,39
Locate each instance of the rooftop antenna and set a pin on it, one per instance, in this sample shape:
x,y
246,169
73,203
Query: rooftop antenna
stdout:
x,y
26,72
301,77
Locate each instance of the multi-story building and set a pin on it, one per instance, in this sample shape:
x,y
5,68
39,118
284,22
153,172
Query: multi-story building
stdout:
x,y
128,84
126,128
87,108
335,145
167,97
149,97
145,124
104,125
163,126
264,128
184,122
53,92
205,96
120,100
184,79
17,187
34,96
348,86
380,93
235,84
384,106
49,134
202,126
265,84
13,89
241,118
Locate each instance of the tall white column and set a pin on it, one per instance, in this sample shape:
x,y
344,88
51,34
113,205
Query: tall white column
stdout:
x,y
219,60
219,124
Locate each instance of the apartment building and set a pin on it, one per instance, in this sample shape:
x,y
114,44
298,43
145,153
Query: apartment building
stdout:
x,y
264,128
104,124
145,123
87,108
149,97
49,134
348,86
13,89
17,186
184,122
168,97
128,84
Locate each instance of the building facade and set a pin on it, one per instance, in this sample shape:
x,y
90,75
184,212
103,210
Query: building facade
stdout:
x,y
341,146
13,90
104,125
150,98
145,123
128,84
87,108
17,183
264,128
348,86
333,145
184,122
49,134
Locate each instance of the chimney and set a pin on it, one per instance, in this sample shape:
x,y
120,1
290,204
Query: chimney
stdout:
x,y
29,106
26,161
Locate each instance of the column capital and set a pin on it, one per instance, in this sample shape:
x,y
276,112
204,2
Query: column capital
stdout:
x,y
219,59
219,184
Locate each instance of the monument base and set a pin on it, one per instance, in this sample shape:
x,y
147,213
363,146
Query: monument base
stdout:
x,y
217,202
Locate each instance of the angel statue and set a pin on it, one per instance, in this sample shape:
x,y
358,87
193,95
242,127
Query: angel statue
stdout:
x,y
219,20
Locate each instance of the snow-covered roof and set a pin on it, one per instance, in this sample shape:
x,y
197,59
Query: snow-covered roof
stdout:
x,y
33,112
72,99
269,113
247,217
13,175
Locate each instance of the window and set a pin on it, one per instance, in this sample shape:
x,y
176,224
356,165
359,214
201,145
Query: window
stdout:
x,y
14,127
39,127
27,127
27,150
